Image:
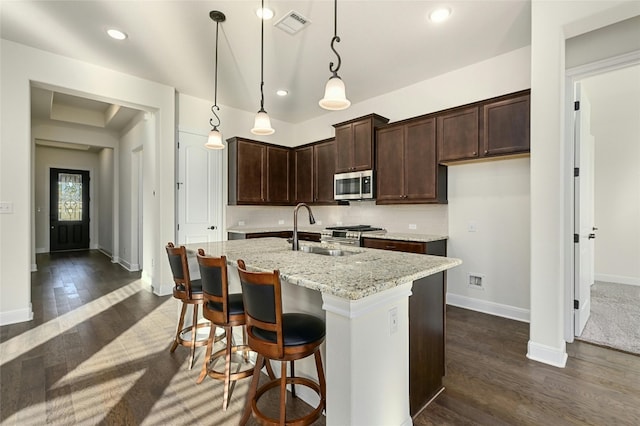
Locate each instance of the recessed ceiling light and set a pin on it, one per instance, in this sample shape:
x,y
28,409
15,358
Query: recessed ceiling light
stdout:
x,y
116,34
440,14
265,13
282,92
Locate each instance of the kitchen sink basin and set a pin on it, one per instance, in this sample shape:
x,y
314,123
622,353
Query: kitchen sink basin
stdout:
x,y
326,251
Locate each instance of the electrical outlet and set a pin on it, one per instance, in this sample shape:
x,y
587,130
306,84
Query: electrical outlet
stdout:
x,y
281,222
241,223
476,280
412,226
393,320
472,226
6,207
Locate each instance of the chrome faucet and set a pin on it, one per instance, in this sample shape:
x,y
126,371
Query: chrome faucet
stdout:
x,y
312,220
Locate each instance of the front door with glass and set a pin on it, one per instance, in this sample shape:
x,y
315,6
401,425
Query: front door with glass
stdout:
x,y
69,212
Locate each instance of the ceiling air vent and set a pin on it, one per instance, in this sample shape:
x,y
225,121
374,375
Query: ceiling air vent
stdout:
x,y
292,22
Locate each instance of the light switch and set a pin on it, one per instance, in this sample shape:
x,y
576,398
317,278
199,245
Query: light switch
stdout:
x,y
6,207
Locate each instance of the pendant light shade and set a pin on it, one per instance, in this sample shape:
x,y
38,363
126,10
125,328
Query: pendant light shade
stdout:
x,y
214,141
262,123
335,96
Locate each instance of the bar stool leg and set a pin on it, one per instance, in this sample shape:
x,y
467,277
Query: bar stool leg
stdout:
x,y
293,374
207,355
252,389
283,392
194,332
227,368
183,311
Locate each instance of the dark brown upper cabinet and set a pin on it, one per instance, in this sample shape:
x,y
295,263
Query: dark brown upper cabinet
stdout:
x,y
354,143
314,167
259,173
407,169
495,127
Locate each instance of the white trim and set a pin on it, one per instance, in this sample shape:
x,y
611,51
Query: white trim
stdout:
x,y
573,75
126,265
357,308
487,307
16,316
198,132
617,279
34,267
609,64
40,250
556,357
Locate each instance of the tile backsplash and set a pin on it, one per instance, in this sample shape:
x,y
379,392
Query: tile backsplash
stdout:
x,y
409,218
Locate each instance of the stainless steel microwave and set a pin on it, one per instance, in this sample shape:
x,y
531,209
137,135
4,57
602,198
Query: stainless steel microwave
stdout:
x,y
353,185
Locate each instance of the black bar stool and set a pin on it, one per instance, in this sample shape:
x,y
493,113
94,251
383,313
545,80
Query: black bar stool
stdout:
x,y
226,311
190,294
279,337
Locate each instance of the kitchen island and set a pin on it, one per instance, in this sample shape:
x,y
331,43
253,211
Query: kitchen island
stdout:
x,y
363,297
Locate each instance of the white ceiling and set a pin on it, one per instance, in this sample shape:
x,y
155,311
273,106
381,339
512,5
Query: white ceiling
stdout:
x,y
385,45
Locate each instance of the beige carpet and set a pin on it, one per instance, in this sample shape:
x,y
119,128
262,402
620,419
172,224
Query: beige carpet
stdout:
x,y
615,317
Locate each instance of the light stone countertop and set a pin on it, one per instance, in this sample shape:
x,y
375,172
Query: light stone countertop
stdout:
x,y
352,277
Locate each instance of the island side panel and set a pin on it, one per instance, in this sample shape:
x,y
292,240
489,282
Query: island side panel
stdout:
x,y
426,340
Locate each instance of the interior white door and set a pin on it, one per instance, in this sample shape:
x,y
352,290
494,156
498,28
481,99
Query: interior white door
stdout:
x,y
584,212
199,187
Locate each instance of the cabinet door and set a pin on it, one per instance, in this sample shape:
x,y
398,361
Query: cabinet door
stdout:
x,y
250,169
324,157
278,171
458,135
362,145
344,149
420,160
389,177
303,174
506,126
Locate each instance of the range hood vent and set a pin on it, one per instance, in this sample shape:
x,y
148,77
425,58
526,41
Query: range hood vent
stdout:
x,y
292,23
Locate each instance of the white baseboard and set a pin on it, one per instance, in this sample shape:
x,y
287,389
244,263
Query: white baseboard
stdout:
x,y
126,265
40,250
617,279
487,307
556,357
16,316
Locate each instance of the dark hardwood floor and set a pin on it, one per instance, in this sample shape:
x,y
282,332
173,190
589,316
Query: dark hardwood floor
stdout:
x,y
97,352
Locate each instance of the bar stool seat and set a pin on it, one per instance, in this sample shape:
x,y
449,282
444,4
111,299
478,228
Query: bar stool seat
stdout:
x,y
283,337
189,292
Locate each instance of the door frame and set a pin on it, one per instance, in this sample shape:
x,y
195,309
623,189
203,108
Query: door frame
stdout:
x,y
572,76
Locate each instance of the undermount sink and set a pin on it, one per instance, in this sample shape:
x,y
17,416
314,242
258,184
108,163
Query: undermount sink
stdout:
x,y
326,251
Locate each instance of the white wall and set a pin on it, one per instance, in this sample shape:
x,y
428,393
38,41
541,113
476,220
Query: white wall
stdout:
x,y
48,158
615,125
21,65
552,23
489,230
105,195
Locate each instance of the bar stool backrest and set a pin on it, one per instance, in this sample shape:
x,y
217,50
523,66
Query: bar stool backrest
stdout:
x,y
261,293
180,269
215,286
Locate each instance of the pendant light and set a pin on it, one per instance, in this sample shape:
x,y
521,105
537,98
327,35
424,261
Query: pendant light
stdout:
x,y
214,141
335,97
262,123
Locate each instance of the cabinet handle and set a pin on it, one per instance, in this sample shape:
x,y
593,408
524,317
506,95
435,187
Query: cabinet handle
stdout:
x,y
486,151
474,153
390,247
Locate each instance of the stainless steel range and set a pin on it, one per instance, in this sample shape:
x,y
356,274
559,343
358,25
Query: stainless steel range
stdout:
x,y
348,235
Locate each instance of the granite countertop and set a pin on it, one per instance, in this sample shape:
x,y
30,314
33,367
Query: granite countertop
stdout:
x,y
423,238
352,277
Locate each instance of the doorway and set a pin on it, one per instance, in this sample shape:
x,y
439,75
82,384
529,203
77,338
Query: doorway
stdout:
x,y
614,89
69,210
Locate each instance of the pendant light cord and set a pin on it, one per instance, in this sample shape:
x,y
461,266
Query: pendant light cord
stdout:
x,y
215,87
262,60
335,39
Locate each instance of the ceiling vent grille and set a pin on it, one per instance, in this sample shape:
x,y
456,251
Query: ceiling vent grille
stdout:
x,y
292,23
